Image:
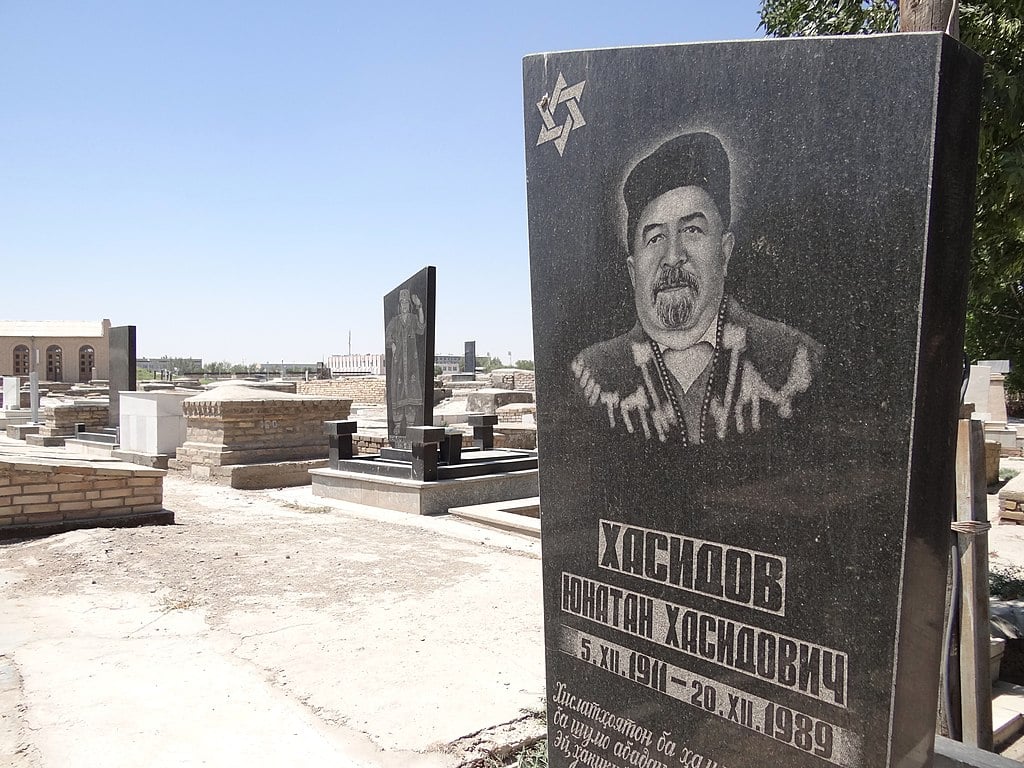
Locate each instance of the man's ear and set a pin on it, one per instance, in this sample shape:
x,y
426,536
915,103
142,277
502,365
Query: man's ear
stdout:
x,y
728,241
632,271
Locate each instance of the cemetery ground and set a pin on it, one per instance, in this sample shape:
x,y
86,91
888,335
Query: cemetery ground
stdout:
x,y
269,628
273,628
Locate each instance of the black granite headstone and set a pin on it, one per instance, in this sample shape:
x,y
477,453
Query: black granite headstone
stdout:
x,y
483,425
749,272
123,368
469,363
409,351
426,443
339,441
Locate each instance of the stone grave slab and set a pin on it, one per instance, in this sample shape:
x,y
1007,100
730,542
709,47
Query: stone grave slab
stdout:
x,y
997,397
409,355
469,360
404,494
123,368
997,366
12,393
748,267
978,390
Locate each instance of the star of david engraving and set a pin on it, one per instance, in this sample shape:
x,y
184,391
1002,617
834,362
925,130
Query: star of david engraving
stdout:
x,y
570,96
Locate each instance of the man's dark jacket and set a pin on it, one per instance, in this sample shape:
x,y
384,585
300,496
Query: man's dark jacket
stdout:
x,y
758,377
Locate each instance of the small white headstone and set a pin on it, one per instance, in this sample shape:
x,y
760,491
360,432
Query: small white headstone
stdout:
x,y
978,390
12,393
997,398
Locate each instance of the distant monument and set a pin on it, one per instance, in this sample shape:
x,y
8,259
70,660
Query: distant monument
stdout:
x,y
749,267
469,363
409,351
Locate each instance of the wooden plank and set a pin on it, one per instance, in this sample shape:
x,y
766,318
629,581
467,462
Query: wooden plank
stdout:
x,y
930,16
953,754
972,507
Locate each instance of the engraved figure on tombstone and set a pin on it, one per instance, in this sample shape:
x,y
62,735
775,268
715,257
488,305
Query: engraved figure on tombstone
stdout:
x,y
697,366
400,338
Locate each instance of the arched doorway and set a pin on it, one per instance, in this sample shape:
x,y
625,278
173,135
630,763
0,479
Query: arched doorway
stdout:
x,y
21,360
54,363
86,361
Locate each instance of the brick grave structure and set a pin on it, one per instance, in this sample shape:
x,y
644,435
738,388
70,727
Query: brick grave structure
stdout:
x,y
1011,501
42,494
252,438
364,390
513,378
59,421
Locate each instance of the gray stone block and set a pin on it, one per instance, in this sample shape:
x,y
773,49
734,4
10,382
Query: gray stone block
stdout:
x,y
489,400
423,498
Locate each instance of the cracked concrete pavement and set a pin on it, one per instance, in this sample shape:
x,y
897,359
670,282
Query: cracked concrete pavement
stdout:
x,y
268,628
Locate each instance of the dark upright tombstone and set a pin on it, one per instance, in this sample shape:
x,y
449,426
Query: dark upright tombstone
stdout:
x,y
409,350
748,475
123,369
469,363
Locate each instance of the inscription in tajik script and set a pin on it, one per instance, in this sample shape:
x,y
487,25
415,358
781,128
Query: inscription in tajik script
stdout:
x,y
816,672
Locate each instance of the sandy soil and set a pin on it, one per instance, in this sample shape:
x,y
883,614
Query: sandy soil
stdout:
x,y
269,627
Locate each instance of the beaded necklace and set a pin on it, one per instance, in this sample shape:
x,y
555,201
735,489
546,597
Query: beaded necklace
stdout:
x,y
666,380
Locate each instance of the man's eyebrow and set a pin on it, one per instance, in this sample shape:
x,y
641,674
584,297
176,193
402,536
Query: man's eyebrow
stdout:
x,y
649,227
693,217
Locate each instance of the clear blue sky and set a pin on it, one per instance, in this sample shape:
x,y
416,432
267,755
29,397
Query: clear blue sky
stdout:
x,y
244,181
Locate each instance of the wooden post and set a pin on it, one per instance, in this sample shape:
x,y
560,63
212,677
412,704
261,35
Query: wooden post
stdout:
x,y
972,539
930,16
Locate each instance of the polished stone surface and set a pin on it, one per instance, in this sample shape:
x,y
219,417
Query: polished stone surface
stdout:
x,y
123,362
339,440
469,360
746,463
409,354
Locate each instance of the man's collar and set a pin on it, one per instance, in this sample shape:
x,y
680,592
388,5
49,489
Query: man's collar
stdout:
x,y
710,333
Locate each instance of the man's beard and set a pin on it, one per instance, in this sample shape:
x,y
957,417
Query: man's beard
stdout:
x,y
674,307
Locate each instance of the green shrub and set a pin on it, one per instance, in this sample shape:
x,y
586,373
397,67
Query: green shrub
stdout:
x,y
1006,582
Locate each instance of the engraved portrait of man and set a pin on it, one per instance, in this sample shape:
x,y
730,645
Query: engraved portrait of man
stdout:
x,y
697,366
405,390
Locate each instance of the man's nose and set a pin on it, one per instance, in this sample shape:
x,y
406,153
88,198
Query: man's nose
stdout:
x,y
677,251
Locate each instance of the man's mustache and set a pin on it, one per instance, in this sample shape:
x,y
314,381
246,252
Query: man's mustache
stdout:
x,y
674,277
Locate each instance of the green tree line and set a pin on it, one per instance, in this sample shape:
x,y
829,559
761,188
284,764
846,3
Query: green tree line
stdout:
x,y
995,30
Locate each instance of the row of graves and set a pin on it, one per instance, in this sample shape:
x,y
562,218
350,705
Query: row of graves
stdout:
x,y
749,279
253,435
45,490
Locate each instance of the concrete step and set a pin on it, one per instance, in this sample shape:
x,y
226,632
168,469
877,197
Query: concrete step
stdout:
x,y
1007,712
109,438
517,515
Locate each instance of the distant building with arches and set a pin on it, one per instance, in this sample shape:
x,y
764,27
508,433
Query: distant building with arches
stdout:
x,y
63,350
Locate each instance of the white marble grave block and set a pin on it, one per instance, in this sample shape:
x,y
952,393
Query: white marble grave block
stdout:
x,y
152,422
12,393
